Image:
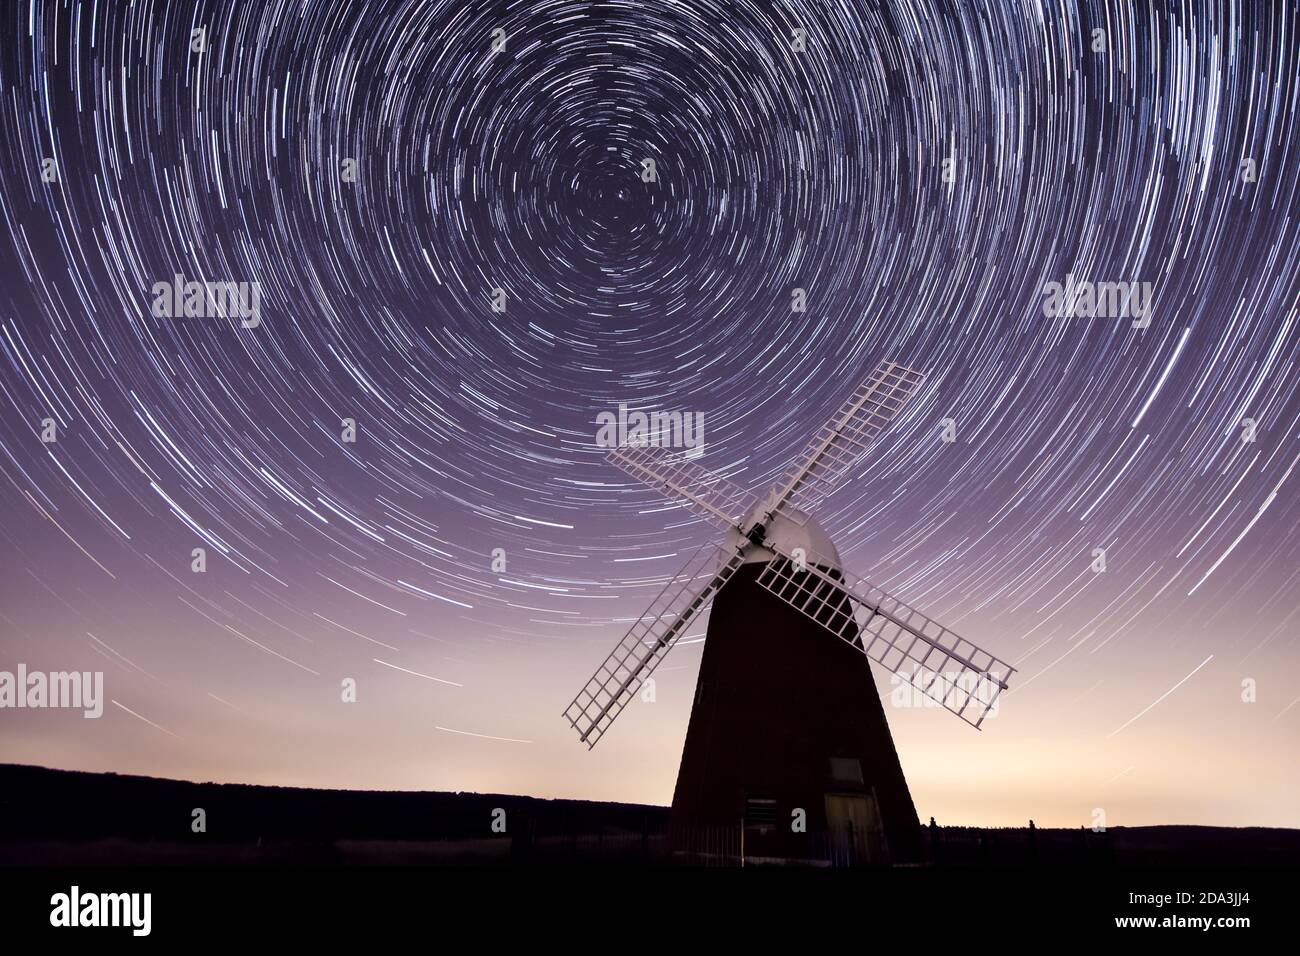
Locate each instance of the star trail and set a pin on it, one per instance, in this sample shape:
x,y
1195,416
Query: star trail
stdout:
x,y
474,227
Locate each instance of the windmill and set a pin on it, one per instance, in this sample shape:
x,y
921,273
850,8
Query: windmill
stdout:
x,y
786,718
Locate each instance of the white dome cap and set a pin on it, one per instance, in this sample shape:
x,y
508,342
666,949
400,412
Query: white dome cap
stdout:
x,y
795,531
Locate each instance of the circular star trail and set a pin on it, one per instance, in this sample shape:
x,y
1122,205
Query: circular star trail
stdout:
x,y
476,227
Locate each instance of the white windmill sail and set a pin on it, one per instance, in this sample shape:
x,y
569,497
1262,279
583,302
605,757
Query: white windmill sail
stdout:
x,y
710,496
944,666
841,443
636,656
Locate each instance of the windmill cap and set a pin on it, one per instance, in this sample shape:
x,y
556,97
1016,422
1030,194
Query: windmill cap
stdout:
x,y
789,530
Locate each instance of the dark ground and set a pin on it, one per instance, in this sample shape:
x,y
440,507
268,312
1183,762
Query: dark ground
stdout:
x,y
67,818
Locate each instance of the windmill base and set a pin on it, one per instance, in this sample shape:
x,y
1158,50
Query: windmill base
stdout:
x,y
788,756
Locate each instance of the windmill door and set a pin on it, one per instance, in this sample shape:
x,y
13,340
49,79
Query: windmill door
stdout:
x,y
856,835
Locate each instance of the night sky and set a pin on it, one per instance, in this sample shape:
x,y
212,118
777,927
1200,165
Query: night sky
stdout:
x,y
1169,156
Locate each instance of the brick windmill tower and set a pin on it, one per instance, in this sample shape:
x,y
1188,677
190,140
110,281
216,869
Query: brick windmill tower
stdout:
x,y
788,747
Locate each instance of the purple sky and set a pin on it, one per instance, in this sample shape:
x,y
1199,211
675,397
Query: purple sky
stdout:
x,y
1167,157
